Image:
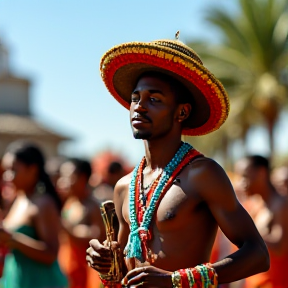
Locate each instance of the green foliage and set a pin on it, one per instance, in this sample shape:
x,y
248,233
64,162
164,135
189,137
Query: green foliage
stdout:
x,y
252,63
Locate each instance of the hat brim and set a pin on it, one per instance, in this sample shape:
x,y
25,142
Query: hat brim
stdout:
x,y
122,66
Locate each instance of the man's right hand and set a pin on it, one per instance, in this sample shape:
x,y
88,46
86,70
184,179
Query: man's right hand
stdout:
x,y
99,256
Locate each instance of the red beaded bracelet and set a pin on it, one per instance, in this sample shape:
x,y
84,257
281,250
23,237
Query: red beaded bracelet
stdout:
x,y
201,276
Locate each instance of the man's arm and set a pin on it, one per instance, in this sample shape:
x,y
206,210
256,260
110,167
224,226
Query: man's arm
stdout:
x,y
120,192
216,190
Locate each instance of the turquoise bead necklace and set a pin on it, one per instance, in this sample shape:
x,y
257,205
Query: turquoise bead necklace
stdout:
x,y
133,247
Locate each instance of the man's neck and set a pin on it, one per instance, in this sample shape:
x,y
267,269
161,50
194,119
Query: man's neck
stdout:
x,y
158,153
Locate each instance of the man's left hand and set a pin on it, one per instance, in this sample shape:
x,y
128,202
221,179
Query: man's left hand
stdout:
x,y
147,276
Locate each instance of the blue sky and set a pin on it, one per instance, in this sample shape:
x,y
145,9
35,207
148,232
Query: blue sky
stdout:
x,y
58,44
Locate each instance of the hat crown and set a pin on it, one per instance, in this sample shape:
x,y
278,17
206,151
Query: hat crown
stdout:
x,y
179,46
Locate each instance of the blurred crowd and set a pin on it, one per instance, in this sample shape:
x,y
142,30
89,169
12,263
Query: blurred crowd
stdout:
x,y
262,190
50,209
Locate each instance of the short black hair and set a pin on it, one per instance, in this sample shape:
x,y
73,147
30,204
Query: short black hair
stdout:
x,y
115,167
82,166
258,161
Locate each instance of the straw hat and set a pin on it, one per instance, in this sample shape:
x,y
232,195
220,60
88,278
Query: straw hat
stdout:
x,y
122,65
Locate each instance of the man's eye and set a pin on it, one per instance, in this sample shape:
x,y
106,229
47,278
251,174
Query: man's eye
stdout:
x,y
152,99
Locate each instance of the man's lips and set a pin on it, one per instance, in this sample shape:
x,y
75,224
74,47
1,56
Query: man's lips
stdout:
x,y
140,119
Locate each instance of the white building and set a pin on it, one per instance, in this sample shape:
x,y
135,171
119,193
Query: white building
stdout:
x,y
16,121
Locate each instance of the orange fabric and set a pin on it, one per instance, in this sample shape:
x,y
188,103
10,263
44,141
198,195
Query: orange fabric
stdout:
x,y
93,279
72,260
260,280
276,277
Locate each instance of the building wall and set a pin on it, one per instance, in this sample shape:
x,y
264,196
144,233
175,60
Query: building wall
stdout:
x,y
14,99
14,96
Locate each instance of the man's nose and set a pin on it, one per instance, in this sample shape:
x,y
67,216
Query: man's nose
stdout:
x,y
140,106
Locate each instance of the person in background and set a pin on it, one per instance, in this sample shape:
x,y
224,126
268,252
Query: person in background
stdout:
x,y
81,220
7,196
7,189
269,210
52,167
30,229
104,191
279,178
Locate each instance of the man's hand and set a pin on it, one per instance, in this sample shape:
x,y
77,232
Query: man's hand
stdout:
x,y
99,256
148,276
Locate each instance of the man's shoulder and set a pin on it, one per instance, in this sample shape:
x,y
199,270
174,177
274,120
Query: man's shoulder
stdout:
x,y
205,164
206,172
123,183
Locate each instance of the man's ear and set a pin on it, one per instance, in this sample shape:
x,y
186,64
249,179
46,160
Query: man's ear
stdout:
x,y
184,111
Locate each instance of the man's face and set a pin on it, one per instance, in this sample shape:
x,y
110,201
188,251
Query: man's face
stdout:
x,y
152,109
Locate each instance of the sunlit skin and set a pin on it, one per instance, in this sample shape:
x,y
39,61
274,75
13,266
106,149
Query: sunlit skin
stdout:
x,y
249,177
279,178
190,212
271,217
85,222
162,111
38,211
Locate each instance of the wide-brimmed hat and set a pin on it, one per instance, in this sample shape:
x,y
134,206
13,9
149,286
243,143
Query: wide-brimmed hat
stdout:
x,y
122,66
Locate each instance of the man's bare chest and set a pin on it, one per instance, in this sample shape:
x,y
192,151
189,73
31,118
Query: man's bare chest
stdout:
x,y
174,208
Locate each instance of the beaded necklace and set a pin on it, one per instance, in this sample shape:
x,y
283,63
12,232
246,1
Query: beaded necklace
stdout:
x,y
144,192
139,232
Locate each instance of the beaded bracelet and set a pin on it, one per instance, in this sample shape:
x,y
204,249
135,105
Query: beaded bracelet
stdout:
x,y
201,276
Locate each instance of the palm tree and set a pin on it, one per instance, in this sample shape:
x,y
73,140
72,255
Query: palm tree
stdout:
x,y
251,62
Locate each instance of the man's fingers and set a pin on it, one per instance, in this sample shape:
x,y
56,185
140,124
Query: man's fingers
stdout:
x,y
135,276
147,276
97,258
98,265
95,244
98,251
137,271
139,285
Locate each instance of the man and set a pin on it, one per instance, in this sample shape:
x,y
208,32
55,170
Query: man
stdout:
x,y
170,206
81,220
269,211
